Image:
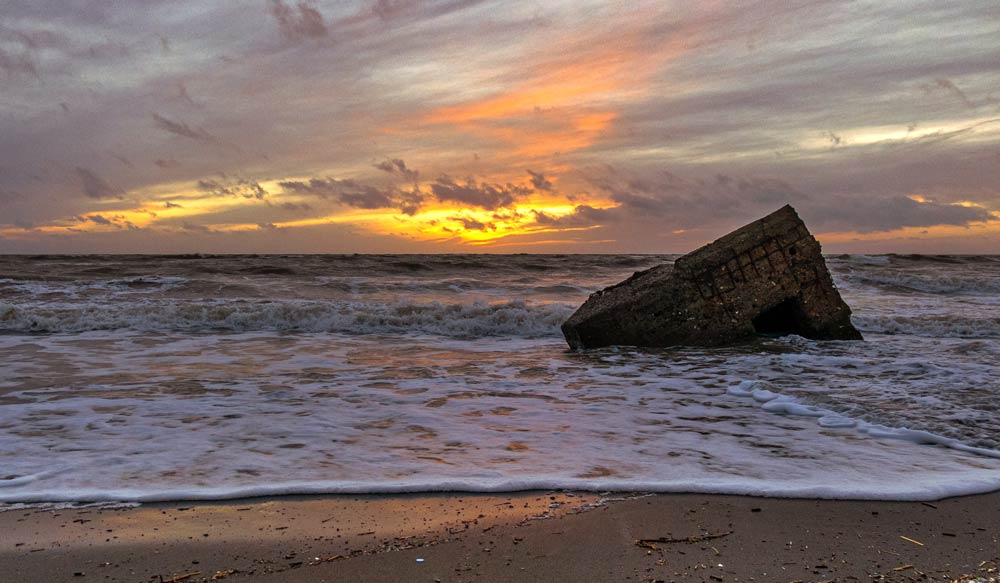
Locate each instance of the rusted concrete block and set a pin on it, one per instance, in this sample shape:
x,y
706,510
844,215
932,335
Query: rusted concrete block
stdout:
x,y
768,277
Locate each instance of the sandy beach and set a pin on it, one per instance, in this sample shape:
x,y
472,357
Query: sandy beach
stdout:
x,y
531,536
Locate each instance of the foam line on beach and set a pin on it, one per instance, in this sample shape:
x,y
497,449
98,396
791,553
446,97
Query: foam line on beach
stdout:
x,y
784,404
941,487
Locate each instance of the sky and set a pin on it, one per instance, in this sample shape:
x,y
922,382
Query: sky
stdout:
x,y
466,126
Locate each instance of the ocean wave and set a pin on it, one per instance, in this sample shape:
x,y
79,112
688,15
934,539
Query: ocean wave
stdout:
x,y
930,283
954,259
136,284
478,319
860,259
934,326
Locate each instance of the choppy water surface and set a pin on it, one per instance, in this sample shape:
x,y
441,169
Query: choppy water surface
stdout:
x,y
139,378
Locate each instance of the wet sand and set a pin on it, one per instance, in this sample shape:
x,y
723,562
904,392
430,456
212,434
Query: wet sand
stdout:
x,y
532,536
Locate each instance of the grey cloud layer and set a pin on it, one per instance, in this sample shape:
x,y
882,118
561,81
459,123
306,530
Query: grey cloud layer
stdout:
x,y
670,202
182,91
475,194
357,194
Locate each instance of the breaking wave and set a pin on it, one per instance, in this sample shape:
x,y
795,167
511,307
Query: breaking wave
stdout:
x,y
478,319
934,326
930,283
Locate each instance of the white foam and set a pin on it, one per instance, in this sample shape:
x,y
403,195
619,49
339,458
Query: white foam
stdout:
x,y
52,506
336,379
140,417
787,405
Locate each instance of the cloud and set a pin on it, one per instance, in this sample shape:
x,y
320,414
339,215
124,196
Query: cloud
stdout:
x,y
182,129
99,219
96,187
949,87
484,195
117,221
195,228
867,214
172,205
21,62
357,194
538,90
583,216
8,195
125,161
294,207
302,22
472,224
397,166
539,182
182,94
722,201
239,187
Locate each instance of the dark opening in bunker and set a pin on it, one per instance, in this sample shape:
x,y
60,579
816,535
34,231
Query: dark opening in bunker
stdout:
x,y
781,320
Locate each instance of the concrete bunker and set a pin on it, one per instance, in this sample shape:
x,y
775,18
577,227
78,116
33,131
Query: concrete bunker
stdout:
x,y
786,318
767,277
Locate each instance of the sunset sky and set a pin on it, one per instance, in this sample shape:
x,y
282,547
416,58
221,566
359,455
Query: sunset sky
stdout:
x,y
466,126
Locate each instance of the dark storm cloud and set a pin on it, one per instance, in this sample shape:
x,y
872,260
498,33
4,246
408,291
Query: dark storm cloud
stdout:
x,y
94,186
472,193
397,166
357,194
539,181
300,22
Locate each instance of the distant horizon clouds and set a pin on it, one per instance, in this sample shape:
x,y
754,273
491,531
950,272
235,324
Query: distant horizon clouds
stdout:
x,y
475,126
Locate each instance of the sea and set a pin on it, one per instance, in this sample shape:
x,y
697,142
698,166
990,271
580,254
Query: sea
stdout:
x,y
151,378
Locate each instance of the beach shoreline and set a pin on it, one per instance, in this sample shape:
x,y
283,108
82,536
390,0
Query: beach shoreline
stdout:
x,y
523,536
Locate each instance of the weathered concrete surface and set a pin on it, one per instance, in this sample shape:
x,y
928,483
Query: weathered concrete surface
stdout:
x,y
766,277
